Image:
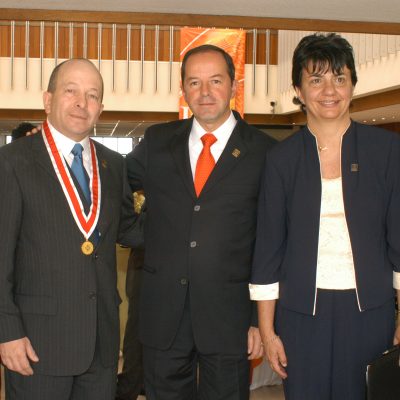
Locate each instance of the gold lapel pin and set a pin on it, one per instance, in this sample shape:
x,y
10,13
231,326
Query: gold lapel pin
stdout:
x,y
104,163
354,168
236,153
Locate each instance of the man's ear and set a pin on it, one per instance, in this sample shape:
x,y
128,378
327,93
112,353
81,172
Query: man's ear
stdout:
x,y
183,91
47,102
234,88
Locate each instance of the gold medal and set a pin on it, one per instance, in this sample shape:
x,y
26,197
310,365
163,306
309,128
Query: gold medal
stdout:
x,y
87,248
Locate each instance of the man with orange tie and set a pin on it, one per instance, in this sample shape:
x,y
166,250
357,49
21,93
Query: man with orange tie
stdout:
x,y
201,178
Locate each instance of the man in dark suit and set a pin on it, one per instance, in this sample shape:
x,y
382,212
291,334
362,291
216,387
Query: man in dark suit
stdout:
x,y
199,235
64,203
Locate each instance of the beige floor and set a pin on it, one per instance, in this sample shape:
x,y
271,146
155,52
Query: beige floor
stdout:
x,y
263,393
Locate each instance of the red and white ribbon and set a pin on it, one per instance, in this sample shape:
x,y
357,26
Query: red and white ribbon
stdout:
x,y
85,223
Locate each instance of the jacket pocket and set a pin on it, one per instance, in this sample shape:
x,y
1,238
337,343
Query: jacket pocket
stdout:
x,y
29,304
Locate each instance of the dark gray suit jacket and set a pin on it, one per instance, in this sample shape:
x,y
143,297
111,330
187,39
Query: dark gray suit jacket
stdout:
x,y
59,298
204,244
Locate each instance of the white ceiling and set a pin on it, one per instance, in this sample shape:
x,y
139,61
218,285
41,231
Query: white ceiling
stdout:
x,y
343,10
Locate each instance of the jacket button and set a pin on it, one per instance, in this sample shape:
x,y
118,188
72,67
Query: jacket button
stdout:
x,y
184,281
92,295
95,256
196,208
193,244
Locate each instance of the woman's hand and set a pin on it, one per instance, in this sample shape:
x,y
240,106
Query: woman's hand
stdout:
x,y
396,339
275,354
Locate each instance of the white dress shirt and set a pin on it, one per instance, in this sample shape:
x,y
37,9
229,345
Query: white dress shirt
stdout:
x,y
222,134
65,145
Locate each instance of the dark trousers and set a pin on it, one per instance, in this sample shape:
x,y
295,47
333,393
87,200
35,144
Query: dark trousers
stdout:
x,y
328,353
96,383
131,380
184,373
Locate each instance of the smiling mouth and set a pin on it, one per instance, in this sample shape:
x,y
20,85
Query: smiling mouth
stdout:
x,y
329,102
82,117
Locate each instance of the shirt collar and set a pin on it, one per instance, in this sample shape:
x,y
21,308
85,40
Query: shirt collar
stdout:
x,y
222,133
65,144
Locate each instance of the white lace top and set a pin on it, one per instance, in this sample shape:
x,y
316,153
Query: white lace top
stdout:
x,y
335,267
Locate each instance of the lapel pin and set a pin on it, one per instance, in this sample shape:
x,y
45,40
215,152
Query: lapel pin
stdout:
x,y
104,163
354,168
236,153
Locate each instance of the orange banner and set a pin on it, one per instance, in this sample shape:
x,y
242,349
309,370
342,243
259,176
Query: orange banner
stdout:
x,y
233,42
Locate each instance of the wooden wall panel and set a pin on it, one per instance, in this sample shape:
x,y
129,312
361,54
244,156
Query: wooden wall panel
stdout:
x,y
106,50
92,43
19,41
5,39
261,44
49,41
121,43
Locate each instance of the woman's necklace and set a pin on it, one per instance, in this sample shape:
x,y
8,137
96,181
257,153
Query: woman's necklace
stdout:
x,y
323,148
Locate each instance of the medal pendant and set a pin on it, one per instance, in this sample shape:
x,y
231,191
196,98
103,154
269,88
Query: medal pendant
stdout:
x,y
87,248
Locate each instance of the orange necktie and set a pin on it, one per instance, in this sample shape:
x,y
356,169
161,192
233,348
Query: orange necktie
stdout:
x,y
205,163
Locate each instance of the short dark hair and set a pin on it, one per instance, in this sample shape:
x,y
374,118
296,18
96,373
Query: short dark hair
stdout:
x,y
51,87
21,130
205,48
323,52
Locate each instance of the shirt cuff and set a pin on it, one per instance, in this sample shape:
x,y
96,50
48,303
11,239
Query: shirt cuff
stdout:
x,y
396,280
264,292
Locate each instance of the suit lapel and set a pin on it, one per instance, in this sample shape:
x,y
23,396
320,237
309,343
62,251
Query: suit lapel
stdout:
x,y
42,156
235,149
106,187
180,153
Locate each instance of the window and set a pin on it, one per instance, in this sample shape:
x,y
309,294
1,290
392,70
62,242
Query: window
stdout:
x,y
121,145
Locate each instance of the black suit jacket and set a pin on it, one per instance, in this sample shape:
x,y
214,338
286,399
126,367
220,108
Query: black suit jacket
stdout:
x,y
59,298
198,246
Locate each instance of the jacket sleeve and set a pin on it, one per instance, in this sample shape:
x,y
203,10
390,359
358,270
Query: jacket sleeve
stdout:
x,y
393,214
11,210
271,235
136,166
131,228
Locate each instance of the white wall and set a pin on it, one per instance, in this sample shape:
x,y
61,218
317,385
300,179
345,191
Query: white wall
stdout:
x,y
377,73
122,99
